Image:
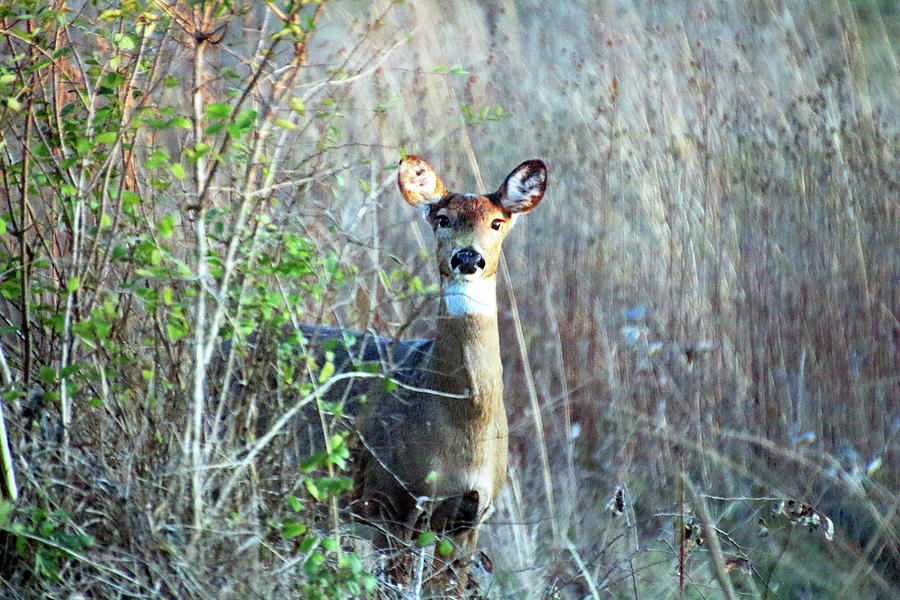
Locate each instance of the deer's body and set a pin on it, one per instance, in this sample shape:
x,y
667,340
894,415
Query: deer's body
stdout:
x,y
449,445
433,453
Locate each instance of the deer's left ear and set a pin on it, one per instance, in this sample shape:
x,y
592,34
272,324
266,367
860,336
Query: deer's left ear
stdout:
x,y
524,187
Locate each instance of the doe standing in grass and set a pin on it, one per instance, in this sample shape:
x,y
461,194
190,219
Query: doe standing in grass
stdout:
x,y
436,457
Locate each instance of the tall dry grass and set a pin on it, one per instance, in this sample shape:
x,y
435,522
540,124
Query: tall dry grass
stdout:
x,y
729,173
711,287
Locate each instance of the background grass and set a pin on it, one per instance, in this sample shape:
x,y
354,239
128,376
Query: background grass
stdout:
x,y
707,297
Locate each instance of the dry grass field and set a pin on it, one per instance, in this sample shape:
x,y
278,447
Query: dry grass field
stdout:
x,y
700,323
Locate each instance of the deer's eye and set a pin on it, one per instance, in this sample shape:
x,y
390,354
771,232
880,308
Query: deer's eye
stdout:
x,y
496,224
442,221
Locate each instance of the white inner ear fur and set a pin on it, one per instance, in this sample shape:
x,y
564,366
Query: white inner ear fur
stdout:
x,y
522,187
475,296
426,184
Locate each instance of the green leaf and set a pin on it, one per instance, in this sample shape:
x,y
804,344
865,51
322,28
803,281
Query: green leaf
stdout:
x,y
314,490
426,538
295,503
306,544
431,477
47,375
218,111
350,560
330,544
107,137
110,15
130,198
175,330
326,372
246,118
291,529
82,145
297,106
285,124
199,150
103,328
126,41
72,286
180,122
158,124
338,443
178,171
112,80
445,547
157,158
166,226
313,461
369,582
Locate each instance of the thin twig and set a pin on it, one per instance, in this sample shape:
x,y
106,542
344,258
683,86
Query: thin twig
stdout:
x,y
712,538
585,573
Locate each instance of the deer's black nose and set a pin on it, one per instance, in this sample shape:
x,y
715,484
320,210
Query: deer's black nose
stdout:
x,y
467,260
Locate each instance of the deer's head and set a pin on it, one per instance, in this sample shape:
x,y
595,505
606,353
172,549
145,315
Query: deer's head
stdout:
x,y
470,228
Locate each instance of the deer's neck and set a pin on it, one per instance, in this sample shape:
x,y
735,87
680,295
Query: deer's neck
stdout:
x,y
466,357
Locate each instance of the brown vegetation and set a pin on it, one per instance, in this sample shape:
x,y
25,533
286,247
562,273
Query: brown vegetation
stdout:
x,y
703,325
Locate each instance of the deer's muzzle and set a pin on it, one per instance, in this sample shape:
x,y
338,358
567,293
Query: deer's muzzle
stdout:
x,y
467,261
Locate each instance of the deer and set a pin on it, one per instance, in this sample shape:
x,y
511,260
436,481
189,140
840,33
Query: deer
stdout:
x,y
432,454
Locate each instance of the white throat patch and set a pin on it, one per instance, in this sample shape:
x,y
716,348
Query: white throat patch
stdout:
x,y
471,297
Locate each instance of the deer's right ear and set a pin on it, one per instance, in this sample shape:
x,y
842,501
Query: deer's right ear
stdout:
x,y
524,187
418,182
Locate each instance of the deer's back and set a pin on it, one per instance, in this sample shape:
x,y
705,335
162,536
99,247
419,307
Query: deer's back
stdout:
x,y
402,359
